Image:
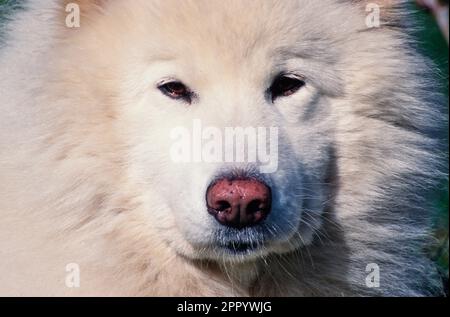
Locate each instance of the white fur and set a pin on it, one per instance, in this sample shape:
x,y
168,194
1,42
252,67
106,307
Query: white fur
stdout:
x,y
85,142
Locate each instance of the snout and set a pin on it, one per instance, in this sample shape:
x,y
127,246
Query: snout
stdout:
x,y
239,203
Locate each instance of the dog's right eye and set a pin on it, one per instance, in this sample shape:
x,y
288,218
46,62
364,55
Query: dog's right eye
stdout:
x,y
176,90
285,85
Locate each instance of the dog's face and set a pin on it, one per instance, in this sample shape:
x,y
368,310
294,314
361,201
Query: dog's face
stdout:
x,y
209,65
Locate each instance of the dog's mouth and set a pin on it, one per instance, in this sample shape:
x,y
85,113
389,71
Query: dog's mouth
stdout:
x,y
236,247
248,241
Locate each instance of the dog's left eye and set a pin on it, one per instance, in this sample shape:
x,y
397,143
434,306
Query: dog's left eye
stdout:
x,y
176,90
284,86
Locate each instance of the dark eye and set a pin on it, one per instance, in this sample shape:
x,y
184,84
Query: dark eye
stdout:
x,y
176,90
285,86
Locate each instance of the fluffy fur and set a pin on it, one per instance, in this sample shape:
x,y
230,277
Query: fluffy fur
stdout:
x,y
85,176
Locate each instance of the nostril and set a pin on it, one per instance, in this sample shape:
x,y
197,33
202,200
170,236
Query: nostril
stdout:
x,y
255,206
223,205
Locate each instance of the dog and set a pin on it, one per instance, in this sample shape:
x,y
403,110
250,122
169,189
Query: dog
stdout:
x,y
119,117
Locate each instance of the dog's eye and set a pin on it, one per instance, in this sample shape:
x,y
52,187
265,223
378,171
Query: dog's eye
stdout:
x,y
176,90
285,86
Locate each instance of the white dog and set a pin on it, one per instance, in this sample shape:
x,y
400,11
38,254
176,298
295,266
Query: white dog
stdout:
x,y
94,202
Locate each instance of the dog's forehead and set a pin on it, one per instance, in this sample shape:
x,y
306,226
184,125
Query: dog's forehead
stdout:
x,y
222,38
223,23
220,24
225,29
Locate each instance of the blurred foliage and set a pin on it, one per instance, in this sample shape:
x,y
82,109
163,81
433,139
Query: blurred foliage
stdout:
x,y
433,44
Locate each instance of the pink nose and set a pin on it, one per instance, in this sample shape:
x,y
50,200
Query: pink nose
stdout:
x,y
239,203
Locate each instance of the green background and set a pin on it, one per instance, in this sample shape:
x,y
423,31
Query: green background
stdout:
x,y
432,43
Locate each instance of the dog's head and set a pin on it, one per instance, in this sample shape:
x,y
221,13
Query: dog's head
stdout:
x,y
227,110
